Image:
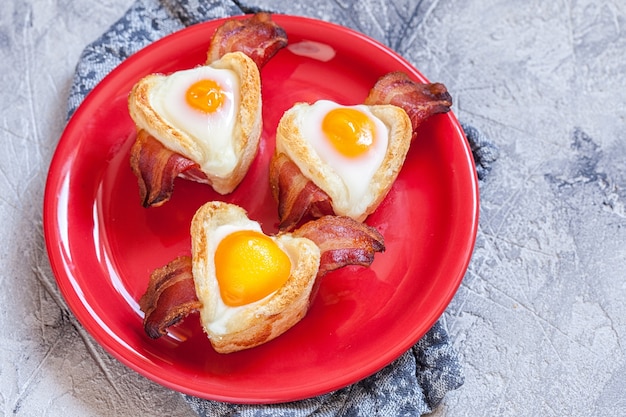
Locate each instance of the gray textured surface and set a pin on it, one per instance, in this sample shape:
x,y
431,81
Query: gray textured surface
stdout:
x,y
540,317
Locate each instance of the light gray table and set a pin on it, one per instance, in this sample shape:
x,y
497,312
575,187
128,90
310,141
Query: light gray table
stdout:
x,y
540,319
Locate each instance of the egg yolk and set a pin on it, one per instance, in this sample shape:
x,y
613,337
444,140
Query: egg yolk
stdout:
x,y
205,95
249,266
349,130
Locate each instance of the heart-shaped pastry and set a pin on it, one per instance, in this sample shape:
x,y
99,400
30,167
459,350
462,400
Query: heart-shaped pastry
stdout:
x,y
252,287
210,115
353,154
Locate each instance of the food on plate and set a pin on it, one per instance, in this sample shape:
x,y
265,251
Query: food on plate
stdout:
x,y
352,153
247,286
210,115
257,36
343,160
419,100
204,123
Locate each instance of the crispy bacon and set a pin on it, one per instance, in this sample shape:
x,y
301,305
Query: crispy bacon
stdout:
x,y
156,167
342,241
298,197
170,297
171,294
258,37
420,101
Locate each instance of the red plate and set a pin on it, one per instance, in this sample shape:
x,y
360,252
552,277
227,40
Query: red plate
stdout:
x,y
103,245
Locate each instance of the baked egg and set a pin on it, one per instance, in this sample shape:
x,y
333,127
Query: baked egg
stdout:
x,y
253,287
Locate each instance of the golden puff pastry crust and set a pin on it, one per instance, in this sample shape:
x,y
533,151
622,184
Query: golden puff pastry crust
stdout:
x,y
263,320
223,173
290,142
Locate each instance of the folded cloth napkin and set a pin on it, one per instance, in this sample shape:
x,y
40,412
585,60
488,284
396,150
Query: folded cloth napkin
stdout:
x,y
416,382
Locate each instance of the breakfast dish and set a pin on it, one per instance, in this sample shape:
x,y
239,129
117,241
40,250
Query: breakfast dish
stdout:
x,y
204,123
352,154
249,287
338,159
102,247
209,115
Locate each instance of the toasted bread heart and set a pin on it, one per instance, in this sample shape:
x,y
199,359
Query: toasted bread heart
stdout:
x,y
236,325
250,287
352,153
210,114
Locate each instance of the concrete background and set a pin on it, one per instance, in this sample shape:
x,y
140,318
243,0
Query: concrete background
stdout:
x,y
539,320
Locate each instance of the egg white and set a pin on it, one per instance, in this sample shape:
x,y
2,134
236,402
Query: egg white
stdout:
x,y
214,149
355,173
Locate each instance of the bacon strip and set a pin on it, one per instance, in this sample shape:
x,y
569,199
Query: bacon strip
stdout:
x,y
420,101
342,241
156,167
298,197
257,36
170,297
